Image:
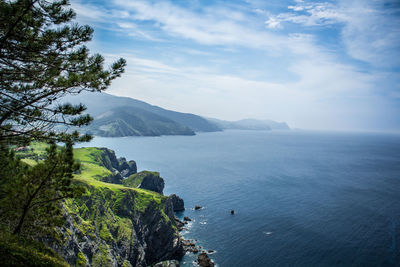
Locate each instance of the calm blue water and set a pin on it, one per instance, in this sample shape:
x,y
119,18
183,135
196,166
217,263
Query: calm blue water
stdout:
x,y
301,198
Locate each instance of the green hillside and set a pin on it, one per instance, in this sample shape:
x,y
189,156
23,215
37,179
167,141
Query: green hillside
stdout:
x,y
124,116
109,225
130,121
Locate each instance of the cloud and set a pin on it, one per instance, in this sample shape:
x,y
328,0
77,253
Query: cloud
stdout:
x,y
369,30
323,92
191,69
211,27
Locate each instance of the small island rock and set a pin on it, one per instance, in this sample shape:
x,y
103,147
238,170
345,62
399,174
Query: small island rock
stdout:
x,y
177,203
204,260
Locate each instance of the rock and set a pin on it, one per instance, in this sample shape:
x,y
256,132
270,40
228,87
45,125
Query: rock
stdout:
x,y
132,166
204,261
127,168
197,207
152,238
187,219
177,202
109,160
179,224
122,164
172,263
152,181
115,178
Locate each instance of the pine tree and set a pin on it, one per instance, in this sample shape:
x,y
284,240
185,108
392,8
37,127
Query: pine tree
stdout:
x,y
30,197
42,59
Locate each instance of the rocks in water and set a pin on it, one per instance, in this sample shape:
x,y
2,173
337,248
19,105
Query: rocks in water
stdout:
x,y
190,246
179,224
177,202
204,261
197,207
187,219
172,263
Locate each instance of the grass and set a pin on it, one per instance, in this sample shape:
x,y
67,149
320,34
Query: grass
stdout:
x,y
95,213
88,155
30,162
136,179
17,251
104,211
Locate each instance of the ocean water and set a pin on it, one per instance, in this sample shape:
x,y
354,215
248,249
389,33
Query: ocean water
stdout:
x,y
300,198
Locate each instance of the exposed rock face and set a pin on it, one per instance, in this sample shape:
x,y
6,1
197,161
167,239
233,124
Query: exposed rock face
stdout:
x,y
108,228
177,203
153,182
173,263
204,260
120,168
127,168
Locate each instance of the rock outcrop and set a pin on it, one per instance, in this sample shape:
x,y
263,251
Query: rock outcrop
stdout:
x,y
173,263
109,228
146,180
153,183
120,168
177,203
204,261
117,225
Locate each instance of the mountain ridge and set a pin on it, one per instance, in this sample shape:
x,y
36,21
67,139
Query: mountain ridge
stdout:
x,y
117,116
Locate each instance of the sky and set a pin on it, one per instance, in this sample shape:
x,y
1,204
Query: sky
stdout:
x,y
326,65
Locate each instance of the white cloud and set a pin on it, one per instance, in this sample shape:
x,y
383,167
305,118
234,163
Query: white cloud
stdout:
x,y
326,93
369,32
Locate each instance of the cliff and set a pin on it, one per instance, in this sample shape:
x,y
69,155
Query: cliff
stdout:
x,y
113,224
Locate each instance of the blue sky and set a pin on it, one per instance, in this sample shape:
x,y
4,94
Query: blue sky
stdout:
x,y
329,65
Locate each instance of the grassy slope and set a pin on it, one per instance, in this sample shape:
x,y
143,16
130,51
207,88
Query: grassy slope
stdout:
x,y
92,172
95,212
16,251
136,179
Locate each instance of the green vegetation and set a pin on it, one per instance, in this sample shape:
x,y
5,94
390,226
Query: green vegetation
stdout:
x,y
18,251
130,121
43,59
136,179
80,260
102,258
33,193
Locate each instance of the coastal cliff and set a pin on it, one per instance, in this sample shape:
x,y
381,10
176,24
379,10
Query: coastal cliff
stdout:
x,y
114,224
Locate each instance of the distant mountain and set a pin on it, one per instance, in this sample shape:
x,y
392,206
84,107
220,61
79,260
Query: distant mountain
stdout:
x,y
130,121
250,124
123,116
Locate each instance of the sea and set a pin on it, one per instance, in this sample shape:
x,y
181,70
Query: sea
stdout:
x,y
301,198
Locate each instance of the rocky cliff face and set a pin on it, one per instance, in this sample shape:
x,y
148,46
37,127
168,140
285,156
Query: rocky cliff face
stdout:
x,y
109,228
113,224
177,203
146,180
